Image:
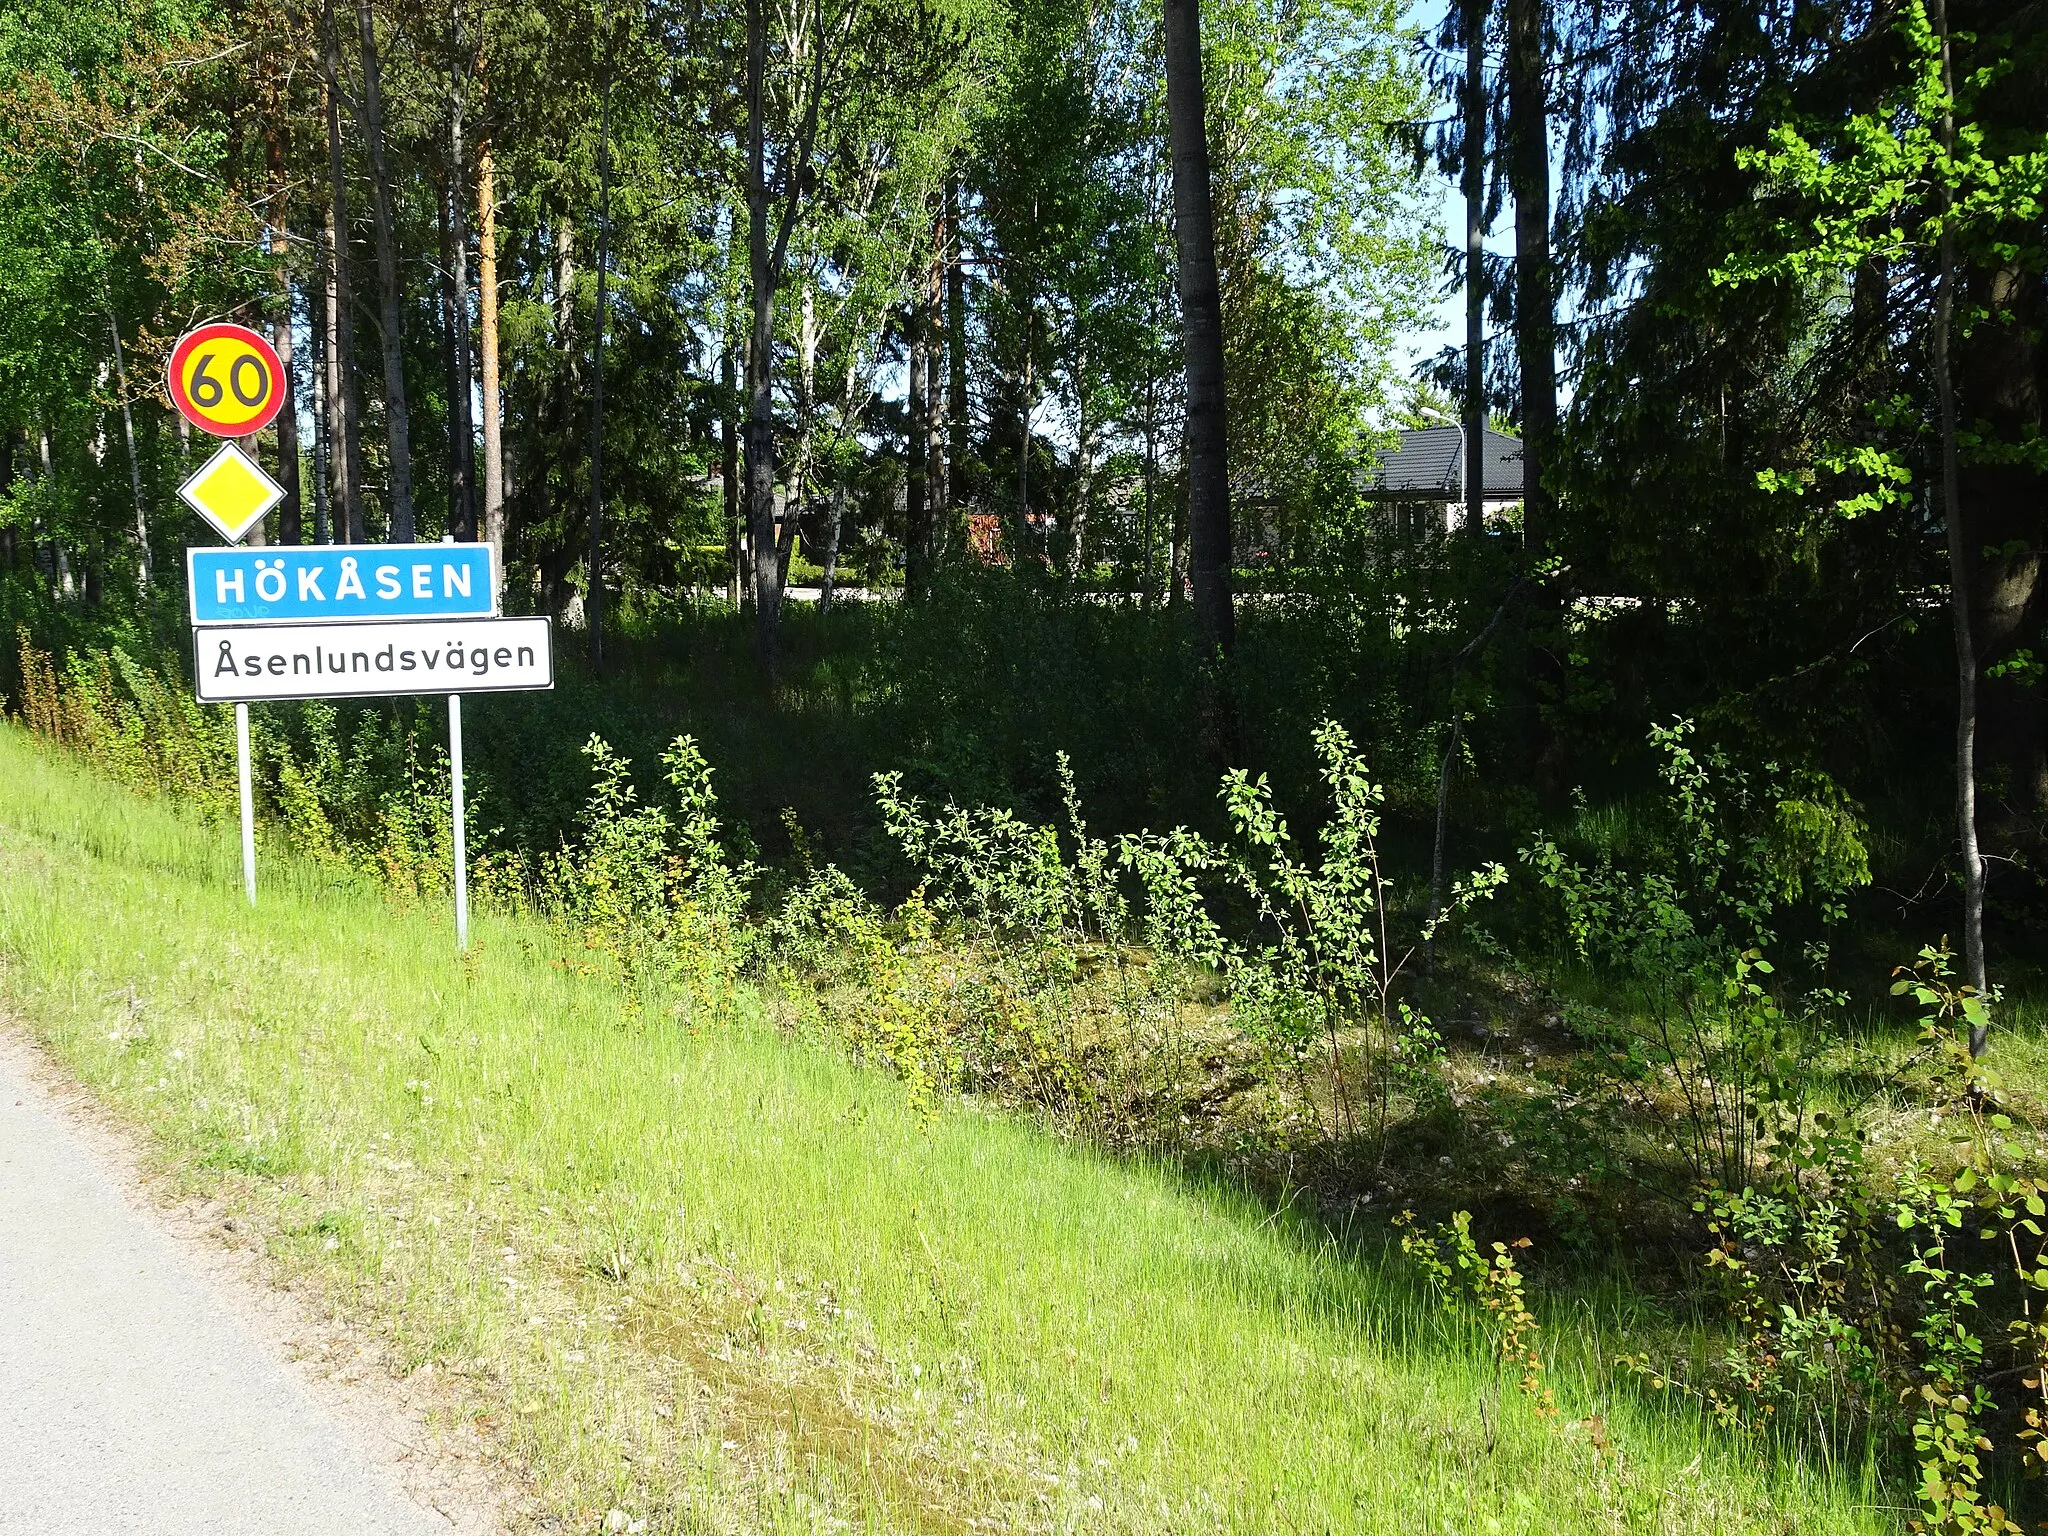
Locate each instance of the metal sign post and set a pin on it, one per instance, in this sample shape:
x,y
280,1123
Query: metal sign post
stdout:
x,y
227,380
240,664
248,802
460,822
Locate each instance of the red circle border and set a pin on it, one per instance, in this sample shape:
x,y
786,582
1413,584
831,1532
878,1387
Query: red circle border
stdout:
x,y
212,332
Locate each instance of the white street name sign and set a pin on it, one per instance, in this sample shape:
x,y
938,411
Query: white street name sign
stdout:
x,y
245,663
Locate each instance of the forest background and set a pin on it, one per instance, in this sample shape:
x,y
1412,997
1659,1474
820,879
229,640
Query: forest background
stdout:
x,y
907,307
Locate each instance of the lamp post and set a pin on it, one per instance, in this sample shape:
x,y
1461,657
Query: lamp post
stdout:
x,y
1464,456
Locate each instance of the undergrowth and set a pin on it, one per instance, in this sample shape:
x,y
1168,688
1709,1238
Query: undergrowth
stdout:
x,y
1251,997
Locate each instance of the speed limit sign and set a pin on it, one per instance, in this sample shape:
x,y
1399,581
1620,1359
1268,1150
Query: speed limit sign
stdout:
x,y
226,379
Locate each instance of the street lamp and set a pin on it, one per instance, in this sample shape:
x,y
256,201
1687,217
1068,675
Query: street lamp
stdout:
x,y
1464,455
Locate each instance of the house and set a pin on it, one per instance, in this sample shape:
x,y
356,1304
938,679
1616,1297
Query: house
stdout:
x,y
1422,479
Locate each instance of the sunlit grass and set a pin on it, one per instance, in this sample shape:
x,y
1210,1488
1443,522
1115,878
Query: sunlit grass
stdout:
x,y
724,1280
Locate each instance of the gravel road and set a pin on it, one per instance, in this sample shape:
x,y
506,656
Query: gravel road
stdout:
x,y
133,1398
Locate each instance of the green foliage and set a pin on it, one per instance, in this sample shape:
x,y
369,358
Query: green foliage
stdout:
x,y
1321,963
1840,1330
1733,848
1489,1287
1878,183
1082,959
130,722
653,894
1007,1306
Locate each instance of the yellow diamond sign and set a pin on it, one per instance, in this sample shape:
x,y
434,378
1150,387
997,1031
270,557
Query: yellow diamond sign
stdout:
x,y
231,491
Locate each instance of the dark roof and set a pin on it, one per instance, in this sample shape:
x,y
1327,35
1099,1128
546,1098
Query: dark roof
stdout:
x,y
1427,462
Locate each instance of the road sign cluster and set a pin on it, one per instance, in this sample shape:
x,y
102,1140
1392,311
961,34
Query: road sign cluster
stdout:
x,y
227,380
328,621
293,621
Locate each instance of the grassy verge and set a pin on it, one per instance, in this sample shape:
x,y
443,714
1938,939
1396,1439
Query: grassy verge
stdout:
x,y
723,1281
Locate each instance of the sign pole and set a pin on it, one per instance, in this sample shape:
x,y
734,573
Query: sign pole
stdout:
x,y
248,802
461,829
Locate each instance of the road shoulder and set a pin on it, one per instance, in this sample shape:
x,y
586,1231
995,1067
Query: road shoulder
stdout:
x,y
189,1384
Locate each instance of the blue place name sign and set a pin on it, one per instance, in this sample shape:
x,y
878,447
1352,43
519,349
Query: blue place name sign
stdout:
x,y
325,583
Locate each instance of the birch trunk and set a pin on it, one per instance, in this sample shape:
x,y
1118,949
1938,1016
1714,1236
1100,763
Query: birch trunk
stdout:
x,y
290,508
143,569
760,397
1959,566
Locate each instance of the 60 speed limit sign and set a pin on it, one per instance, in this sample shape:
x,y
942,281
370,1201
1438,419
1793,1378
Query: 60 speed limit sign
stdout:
x,y
226,380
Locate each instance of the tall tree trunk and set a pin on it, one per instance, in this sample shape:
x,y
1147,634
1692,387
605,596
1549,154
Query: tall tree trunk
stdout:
x,y
829,584
917,533
1959,566
391,312
455,358
785,534
563,400
1528,152
958,422
463,427
143,568
1150,476
6,485
289,508
796,493
323,437
49,553
1177,549
938,495
344,418
1024,540
593,600
729,465
2000,369
1535,296
487,347
1201,304
565,284
444,287
760,350
1475,266
1084,464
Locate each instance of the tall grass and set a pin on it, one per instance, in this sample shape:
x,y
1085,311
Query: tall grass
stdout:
x,y
719,1280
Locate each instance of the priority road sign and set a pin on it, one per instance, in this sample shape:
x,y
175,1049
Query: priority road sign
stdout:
x,y
227,380
327,583
246,663
231,491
